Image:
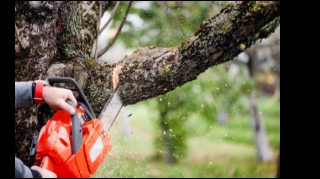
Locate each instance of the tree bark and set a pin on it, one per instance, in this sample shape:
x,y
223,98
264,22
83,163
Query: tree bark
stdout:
x,y
53,38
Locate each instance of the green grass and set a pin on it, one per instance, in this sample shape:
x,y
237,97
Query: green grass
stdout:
x,y
214,151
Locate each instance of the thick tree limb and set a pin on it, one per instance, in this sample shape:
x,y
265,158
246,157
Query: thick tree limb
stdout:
x,y
153,71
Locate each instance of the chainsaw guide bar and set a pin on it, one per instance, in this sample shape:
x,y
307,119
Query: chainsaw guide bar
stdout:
x,y
111,110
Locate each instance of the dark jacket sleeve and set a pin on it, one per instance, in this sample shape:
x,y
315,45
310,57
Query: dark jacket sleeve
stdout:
x,y
23,98
23,94
21,171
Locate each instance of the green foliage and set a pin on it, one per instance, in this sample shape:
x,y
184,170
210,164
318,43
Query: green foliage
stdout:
x,y
270,105
173,134
166,23
228,90
198,100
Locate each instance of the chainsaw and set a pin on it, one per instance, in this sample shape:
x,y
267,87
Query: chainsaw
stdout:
x,y
74,146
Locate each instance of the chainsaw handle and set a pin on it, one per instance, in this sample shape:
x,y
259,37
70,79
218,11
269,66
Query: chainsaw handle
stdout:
x,y
53,80
76,130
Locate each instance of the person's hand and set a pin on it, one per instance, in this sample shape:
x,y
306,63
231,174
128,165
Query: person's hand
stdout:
x,y
56,98
44,172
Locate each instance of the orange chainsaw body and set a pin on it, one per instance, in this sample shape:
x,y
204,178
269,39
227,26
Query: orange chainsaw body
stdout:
x,y
54,146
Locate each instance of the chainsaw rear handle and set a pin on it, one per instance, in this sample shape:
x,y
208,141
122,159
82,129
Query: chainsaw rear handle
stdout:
x,y
76,130
82,97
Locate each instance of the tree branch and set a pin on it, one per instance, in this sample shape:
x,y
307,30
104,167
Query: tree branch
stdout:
x,y
152,71
118,32
98,26
111,17
85,13
17,34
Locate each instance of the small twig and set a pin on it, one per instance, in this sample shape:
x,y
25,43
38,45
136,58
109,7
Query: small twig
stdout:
x,y
118,32
98,26
85,13
111,17
17,34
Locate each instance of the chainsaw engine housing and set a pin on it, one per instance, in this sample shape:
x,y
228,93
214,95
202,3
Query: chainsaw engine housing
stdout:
x,y
71,146
54,147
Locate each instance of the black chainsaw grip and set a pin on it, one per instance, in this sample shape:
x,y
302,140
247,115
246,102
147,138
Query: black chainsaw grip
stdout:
x,y
76,130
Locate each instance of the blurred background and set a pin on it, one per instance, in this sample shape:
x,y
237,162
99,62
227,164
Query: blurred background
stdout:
x,y
226,123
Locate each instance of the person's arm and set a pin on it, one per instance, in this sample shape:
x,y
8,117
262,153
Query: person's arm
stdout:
x,y
22,171
23,94
54,97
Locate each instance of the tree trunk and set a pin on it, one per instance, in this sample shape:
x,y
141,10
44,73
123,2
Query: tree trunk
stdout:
x,y
264,152
55,38
166,139
223,117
